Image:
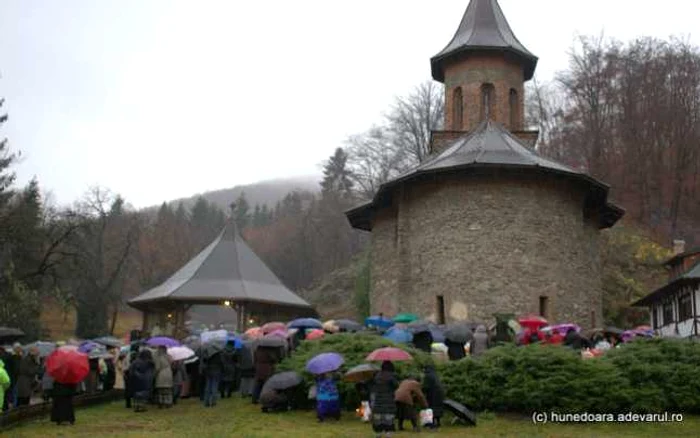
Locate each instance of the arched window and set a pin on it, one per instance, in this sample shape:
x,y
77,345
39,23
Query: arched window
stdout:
x,y
514,113
488,100
457,109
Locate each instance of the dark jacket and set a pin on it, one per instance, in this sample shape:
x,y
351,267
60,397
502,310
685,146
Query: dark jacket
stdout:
x,y
228,359
423,341
382,393
265,360
574,340
455,350
213,366
28,372
434,393
141,377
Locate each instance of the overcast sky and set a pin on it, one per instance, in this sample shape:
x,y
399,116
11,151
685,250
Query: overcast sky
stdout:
x,y
160,99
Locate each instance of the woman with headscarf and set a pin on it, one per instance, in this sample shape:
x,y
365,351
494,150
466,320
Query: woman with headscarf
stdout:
x,y
382,400
481,341
434,393
164,378
141,375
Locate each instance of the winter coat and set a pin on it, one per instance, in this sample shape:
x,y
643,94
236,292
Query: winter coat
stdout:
x,y
480,342
28,372
164,371
423,341
179,373
434,392
410,391
455,350
4,382
265,360
212,366
228,359
382,393
141,375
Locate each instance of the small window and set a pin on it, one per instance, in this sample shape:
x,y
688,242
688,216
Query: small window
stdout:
x,y
668,313
514,110
544,307
457,109
685,307
488,100
441,309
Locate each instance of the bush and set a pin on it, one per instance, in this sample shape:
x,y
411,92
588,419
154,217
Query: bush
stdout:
x,y
354,348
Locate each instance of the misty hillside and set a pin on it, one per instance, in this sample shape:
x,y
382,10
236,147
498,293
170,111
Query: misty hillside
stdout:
x,y
262,192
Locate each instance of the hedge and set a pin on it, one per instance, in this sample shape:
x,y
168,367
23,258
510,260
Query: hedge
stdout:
x,y
354,348
644,376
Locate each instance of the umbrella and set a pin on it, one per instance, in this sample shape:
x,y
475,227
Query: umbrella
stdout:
x,y
400,336
388,353
88,346
99,352
348,325
437,333
279,333
254,333
459,333
273,326
282,381
533,322
643,328
378,321
613,331
193,341
67,366
361,373
460,411
163,341
236,340
180,353
406,317
562,328
68,347
9,334
45,348
324,363
418,326
330,326
315,334
306,323
210,349
108,341
271,341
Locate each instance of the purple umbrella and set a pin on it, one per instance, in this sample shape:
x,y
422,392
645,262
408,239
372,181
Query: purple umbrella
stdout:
x,y
324,363
162,341
88,346
564,328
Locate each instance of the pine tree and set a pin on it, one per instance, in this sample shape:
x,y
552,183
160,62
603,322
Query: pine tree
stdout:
x,y
337,178
242,214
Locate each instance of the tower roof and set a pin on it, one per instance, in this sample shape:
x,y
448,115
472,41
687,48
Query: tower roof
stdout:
x,y
483,28
490,145
227,269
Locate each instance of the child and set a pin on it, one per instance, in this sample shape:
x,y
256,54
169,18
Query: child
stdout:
x,y
327,398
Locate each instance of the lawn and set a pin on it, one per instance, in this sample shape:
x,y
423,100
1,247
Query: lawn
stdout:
x,y
238,418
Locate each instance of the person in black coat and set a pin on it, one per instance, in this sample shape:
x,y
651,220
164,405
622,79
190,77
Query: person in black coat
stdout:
x,y
382,399
434,393
228,374
423,341
62,403
141,376
455,350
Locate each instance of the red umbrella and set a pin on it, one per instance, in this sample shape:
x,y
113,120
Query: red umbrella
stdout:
x,y
67,366
532,322
315,334
254,333
391,354
273,326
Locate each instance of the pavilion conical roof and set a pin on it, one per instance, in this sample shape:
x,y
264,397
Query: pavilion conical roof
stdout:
x,y
483,28
227,269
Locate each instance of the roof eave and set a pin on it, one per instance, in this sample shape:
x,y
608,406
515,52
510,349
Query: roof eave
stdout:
x,y
529,60
143,304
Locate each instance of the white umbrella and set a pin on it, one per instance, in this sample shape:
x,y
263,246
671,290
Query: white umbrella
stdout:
x,y
180,353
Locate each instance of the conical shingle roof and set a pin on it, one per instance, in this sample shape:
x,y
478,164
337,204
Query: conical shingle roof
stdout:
x,y
227,269
483,28
490,145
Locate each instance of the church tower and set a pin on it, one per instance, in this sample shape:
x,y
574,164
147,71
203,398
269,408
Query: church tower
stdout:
x,y
484,68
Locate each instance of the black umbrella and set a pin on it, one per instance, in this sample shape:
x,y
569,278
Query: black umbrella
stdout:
x,y
210,349
282,381
461,333
348,325
420,326
271,341
9,334
460,411
108,341
45,348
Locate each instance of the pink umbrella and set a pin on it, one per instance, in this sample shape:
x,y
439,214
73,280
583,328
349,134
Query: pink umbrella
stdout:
x,y
279,333
391,354
315,334
273,326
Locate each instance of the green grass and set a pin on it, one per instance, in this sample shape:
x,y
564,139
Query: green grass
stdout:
x,y
237,418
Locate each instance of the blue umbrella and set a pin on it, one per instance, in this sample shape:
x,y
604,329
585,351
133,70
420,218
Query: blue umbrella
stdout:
x,y
324,363
437,334
237,342
304,323
398,335
379,321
